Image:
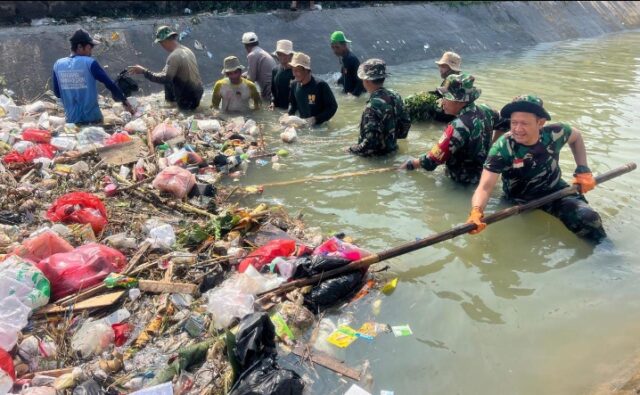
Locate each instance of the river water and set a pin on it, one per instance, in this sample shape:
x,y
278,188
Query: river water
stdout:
x,y
525,307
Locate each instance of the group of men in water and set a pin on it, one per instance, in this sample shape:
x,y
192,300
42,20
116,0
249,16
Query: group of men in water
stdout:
x,y
477,146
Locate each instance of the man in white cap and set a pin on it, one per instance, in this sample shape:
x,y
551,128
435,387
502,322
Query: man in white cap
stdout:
x,y
260,64
312,98
282,75
233,91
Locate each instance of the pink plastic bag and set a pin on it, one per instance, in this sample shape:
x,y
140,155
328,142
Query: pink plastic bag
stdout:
x,y
267,253
118,138
87,265
163,132
80,208
337,248
175,180
42,246
36,135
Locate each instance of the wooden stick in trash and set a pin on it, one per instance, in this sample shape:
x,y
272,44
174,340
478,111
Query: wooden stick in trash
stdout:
x,y
326,177
437,238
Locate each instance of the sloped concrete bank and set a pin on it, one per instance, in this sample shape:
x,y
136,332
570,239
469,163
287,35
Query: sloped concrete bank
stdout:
x,y
398,34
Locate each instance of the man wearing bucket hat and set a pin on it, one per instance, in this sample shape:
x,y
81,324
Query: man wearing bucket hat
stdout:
x,y
448,64
310,97
74,81
180,76
466,140
527,158
282,75
349,64
260,64
233,91
384,119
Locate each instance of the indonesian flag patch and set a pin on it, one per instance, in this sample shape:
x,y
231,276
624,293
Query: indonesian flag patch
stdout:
x,y
518,163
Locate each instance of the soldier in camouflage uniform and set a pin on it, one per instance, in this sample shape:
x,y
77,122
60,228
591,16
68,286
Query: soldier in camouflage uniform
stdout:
x,y
466,140
384,119
527,158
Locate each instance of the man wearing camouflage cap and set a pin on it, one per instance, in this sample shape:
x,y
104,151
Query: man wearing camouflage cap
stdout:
x,y
384,119
180,76
466,140
527,158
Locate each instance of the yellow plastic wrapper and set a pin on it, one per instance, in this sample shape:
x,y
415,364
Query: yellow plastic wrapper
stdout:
x,y
390,286
342,337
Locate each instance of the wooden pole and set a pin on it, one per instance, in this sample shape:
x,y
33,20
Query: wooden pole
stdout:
x,y
437,238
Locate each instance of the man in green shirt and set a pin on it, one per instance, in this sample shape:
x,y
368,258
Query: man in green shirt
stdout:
x,y
527,158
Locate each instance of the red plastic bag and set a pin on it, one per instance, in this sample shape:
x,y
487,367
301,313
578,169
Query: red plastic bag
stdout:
x,y
42,246
267,253
80,208
122,331
87,265
163,132
175,180
31,153
6,364
335,247
36,135
118,138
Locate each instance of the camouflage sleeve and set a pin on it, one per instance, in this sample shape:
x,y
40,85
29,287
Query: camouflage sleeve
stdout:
x,y
453,137
560,135
500,156
403,119
370,131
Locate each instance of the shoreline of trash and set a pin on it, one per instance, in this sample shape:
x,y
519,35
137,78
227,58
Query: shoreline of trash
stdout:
x,y
127,265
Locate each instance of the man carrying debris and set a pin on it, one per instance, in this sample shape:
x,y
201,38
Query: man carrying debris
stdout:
x,y
260,64
527,158
282,75
233,91
349,63
466,140
312,98
74,81
384,119
180,76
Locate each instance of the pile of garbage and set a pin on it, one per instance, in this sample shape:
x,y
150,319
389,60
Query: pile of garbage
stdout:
x,y
125,267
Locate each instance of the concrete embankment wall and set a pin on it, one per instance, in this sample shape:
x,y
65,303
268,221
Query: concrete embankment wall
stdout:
x,y
398,34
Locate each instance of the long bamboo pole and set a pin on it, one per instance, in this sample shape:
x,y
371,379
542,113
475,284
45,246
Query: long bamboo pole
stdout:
x,y
439,237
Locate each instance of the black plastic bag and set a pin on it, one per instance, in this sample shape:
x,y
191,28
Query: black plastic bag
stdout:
x,y
308,266
264,377
331,291
126,84
255,340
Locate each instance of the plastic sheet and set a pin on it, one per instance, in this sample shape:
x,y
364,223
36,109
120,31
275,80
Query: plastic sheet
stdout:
x,y
81,208
24,281
175,180
338,248
226,303
164,132
42,246
83,267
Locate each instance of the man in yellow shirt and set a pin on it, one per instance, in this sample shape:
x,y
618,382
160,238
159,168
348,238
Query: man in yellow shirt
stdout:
x,y
233,91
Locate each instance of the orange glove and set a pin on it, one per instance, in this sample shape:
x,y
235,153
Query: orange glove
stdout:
x,y
475,217
586,182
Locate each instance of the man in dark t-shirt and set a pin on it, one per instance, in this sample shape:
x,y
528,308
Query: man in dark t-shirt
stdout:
x,y
282,75
310,97
349,65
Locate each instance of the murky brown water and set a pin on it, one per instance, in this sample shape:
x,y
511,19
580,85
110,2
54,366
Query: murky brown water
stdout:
x,y
525,307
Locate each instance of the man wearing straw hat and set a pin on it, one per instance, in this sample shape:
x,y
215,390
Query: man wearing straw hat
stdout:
x,y
466,140
448,64
234,92
310,97
180,76
527,158
282,75
259,64
384,119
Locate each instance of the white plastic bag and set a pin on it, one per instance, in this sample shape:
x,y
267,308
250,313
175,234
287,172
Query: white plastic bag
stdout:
x,y
92,135
92,338
15,316
289,135
226,303
292,120
208,125
161,235
137,125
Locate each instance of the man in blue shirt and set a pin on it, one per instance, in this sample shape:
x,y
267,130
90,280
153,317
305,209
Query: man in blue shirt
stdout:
x,y
75,79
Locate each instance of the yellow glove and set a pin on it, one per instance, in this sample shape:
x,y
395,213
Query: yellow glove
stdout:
x,y
475,217
586,182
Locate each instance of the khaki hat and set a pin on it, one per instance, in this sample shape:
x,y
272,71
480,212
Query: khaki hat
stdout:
x,y
249,37
301,59
164,33
284,46
451,59
231,63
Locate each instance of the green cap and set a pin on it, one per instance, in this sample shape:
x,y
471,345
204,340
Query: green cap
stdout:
x,y
459,87
164,33
338,37
525,103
